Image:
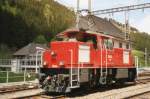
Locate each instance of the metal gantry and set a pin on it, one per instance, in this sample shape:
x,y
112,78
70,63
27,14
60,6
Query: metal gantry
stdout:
x,y
121,9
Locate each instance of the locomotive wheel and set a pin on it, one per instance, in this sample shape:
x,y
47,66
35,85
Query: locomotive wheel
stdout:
x,y
102,80
131,76
92,81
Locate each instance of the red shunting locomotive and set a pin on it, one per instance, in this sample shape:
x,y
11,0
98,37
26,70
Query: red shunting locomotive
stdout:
x,y
84,58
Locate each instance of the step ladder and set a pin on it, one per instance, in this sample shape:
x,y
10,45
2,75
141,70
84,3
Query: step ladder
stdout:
x,y
104,70
74,78
74,74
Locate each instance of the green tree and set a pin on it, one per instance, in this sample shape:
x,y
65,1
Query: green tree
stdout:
x,y
21,21
40,39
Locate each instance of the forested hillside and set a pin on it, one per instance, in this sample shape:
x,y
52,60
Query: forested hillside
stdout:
x,y
141,40
24,21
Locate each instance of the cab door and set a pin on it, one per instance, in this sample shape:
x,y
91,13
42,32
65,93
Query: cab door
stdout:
x,y
105,47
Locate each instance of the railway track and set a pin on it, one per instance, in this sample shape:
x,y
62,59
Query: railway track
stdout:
x,y
7,89
43,96
141,96
110,92
102,92
142,80
14,91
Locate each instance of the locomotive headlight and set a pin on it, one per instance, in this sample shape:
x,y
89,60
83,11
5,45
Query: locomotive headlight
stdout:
x,y
52,53
61,63
45,63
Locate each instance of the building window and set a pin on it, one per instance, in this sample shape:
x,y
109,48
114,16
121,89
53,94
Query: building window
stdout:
x,y
127,46
120,45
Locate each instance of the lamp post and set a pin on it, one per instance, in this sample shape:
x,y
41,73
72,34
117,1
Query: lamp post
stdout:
x,y
137,65
38,50
145,57
36,65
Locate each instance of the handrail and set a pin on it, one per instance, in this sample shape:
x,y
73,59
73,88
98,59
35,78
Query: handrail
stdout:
x,y
101,58
71,66
106,61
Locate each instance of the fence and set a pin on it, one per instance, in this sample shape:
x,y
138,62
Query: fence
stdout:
x,y
8,76
17,65
5,62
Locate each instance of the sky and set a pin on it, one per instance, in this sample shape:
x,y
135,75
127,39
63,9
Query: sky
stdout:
x,y
137,18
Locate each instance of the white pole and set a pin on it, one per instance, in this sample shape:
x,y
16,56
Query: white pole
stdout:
x,y
89,6
41,58
106,61
41,61
77,17
78,3
78,72
71,66
24,76
25,69
125,25
38,50
137,66
36,71
7,77
145,57
101,58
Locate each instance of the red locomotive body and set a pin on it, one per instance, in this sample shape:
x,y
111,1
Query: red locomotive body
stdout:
x,y
85,58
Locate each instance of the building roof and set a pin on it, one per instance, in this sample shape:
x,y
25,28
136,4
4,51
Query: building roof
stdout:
x,y
29,49
100,25
103,25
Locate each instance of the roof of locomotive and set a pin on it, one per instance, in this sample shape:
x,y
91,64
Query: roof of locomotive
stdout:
x,y
73,31
70,32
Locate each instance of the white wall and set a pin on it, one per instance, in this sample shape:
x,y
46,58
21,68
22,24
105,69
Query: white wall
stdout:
x,y
116,44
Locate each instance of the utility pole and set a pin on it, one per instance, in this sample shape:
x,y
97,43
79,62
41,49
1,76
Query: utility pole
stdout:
x,y
77,15
145,57
89,6
78,12
127,26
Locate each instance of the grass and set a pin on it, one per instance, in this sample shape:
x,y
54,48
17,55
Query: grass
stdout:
x,y
16,77
141,57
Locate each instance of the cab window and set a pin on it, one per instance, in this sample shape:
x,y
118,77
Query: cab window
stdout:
x,y
91,39
108,43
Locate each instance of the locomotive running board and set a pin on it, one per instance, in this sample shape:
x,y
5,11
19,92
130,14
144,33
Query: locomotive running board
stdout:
x,y
75,87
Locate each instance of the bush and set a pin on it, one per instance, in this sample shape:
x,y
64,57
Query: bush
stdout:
x,y
40,39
